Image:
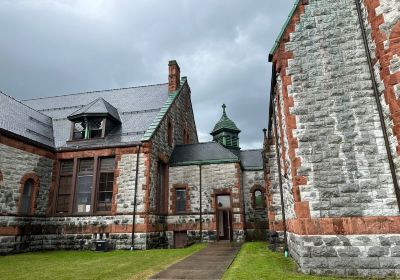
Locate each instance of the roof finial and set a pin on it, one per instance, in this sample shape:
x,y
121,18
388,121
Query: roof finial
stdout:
x,y
223,108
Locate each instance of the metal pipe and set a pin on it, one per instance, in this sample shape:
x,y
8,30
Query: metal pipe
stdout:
x,y
135,196
201,204
378,103
278,157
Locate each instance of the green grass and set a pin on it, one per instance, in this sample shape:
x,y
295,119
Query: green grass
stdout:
x,y
255,261
91,265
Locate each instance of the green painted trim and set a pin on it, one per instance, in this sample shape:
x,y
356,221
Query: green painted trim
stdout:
x,y
278,39
204,162
161,114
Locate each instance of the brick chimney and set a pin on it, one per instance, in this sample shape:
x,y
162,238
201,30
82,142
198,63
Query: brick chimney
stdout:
x,y
174,75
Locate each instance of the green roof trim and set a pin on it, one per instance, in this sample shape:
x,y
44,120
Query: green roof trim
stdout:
x,y
161,114
278,39
225,123
204,162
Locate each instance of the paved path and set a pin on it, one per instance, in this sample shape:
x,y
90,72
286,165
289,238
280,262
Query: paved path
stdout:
x,y
209,263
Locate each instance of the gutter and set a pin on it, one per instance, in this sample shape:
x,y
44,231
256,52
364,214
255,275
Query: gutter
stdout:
x,y
135,196
278,158
378,103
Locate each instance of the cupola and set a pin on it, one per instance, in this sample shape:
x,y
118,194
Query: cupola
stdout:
x,y
226,132
94,120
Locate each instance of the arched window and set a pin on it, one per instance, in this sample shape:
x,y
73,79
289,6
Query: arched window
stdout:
x,y
28,191
170,133
26,197
258,197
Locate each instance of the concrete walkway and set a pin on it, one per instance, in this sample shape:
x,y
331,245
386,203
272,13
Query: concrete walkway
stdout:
x,y
209,263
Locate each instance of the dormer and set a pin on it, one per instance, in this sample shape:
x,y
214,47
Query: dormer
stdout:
x,y
95,120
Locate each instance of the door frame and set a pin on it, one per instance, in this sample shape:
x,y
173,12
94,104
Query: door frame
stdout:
x,y
229,210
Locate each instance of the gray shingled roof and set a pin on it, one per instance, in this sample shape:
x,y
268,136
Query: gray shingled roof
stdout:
x,y
137,107
21,120
210,152
98,107
251,159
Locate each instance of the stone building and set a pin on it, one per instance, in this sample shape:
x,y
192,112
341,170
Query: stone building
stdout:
x,y
332,147
122,163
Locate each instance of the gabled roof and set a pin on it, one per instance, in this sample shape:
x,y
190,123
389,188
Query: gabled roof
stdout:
x,y
96,108
224,123
251,159
201,153
20,120
137,107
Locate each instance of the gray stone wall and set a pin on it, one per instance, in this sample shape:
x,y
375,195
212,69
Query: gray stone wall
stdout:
x,y
347,255
181,117
126,184
14,164
340,138
214,177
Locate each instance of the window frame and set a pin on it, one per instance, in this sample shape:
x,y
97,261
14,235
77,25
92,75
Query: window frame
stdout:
x,y
33,193
94,191
87,129
253,197
162,188
174,189
60,174
98,185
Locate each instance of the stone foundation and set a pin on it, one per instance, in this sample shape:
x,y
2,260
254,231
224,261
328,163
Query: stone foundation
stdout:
x,y
347,255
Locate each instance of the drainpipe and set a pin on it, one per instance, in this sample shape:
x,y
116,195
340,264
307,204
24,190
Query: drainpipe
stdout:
x,y
201,204
135,197
243,202
278,157
378,103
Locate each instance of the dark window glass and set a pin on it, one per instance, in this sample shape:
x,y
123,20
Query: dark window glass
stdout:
x,y
65,186
106,182
170,134
26,197
161,187
258,199
180,203
84,186
79,130
95,128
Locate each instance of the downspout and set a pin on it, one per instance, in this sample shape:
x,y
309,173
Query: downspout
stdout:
x,y
201,203
244,203
378,103
278,157
135,196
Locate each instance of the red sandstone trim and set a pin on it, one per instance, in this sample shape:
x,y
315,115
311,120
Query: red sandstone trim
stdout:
x,y
280,58
34,192
384,57
25,147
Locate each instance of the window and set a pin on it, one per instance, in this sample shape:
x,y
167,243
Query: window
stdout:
x,y
26,197
106,184
186,137
161,188
85,186
170,133
64,186
258,199
88,128
180,200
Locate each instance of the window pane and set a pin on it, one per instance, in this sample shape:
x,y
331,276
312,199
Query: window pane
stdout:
x,y
104,198
84,186
67,166
180,202
107,165
224,201
79,130
65,185
258,199
95,127
26,197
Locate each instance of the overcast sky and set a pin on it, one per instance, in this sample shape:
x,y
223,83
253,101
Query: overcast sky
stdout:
x,y
53,47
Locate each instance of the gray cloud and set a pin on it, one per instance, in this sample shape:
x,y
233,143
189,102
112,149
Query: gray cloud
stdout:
x,y
52,47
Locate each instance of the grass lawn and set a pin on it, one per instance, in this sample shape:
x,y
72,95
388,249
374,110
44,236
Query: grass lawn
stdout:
x,y
91,265
255,261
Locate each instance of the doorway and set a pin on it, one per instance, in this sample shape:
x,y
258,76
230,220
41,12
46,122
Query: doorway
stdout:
x,y
224,217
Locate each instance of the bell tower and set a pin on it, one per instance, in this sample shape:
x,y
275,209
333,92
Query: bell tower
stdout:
x,y
226,132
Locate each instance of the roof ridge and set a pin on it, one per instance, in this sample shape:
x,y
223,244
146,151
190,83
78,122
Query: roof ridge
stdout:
x,y
199,143
20,102
95,91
